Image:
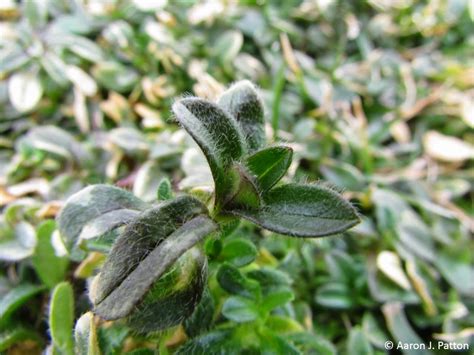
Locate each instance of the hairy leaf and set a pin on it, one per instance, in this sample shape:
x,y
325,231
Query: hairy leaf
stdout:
x,y
232,280
269,165
243,102
50,268
140,237
122,298
174,296
85,335
303,211
91,203
218,135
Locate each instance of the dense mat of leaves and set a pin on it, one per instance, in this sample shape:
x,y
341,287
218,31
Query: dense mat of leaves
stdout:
x,y
375,100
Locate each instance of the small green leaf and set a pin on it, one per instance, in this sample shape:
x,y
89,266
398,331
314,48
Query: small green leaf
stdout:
x,y
165,191
240,309
358,343
202,318
15,298
232,280
269,165
91,203
213,343
50,268
115,76
239,252
279,297
174,296
243,102
303,211
85,335
219,137
118,299
140,237
61,317
11,337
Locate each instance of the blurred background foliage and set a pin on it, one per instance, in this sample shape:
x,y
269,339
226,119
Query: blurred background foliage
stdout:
x,y
375,97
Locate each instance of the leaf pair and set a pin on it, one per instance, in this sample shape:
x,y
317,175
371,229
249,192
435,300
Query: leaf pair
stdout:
x,y
153,270
231,135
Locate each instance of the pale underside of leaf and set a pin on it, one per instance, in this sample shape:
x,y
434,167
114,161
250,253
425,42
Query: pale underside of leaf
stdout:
x,y
122,300
90,203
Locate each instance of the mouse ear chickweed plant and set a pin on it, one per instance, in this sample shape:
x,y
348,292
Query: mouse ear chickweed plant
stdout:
x,y
156,271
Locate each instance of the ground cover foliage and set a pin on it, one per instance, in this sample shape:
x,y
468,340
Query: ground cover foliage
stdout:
x,y
374,100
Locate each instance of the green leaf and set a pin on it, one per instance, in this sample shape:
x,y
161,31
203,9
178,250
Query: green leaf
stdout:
x,y
213,343
36,12
401,329
334,295
239,252
232,280
115,76
202,318
358,343
219,137
17,243
141,236
61,317
11,337
174,296
275,344
50,268
90,203
15,298
279,297
269,165
240,309
242,101
165,191
283,325
303,211
118,299
85,335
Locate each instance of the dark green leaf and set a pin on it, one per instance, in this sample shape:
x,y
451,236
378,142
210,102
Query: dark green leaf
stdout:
x,y
269,165
213,343
174,296
91,203
303,211
219,136
239,252
50,268
240,309
243,102
15,298
232,280
61,317
165,191
202,317
118,299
